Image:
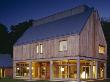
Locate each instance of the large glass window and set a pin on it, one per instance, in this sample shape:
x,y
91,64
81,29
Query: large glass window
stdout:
x,y
85,69
22,69
65,69
101,70
41,70
72,69
35,70
63,45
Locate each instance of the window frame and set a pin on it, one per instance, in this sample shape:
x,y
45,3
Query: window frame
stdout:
x,y
39,48
61,42
99,51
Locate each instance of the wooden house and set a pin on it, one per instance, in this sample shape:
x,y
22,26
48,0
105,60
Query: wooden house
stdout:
x,y
69,45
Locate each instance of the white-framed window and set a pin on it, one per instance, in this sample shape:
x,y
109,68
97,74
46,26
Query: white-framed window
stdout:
x,y
39,48
101,49
63,45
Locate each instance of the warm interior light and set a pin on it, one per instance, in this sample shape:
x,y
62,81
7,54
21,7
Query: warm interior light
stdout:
x,y
62,69
32,73
1,72
94,70
17,68
84,75
101,49
27,67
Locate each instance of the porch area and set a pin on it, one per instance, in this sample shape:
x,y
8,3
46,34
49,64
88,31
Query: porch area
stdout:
x,y
61,70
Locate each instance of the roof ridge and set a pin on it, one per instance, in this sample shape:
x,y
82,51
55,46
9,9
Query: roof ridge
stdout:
x,y
60,15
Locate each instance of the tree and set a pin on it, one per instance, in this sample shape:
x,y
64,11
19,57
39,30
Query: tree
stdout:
x,y
17,31
106,29
4,39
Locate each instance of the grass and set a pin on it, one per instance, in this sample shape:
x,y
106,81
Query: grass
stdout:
x,y
16,80
106,80
10,80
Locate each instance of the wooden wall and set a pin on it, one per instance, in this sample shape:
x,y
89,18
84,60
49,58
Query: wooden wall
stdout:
x,y
84,44
90,38
50,49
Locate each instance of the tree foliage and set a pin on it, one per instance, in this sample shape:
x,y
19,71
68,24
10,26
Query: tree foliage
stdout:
x,y
17,31
4,39
8,39
106,29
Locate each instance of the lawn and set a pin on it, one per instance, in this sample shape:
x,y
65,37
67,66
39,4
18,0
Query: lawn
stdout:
x,y
16,80
107,80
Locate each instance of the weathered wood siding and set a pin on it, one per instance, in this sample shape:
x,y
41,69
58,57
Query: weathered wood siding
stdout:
x,y
90,38
50,49
100,38
84,44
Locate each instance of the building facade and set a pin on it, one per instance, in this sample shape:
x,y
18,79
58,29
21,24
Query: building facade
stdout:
x,y
69,45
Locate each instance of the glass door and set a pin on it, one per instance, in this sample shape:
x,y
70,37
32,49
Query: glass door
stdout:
x,y
44,70
72,69
63,71
85,69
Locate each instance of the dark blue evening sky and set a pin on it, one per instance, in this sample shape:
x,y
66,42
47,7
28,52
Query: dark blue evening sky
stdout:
x,y
16,11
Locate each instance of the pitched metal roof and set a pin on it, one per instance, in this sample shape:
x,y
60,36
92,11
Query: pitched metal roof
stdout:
x,y
65,26
5,60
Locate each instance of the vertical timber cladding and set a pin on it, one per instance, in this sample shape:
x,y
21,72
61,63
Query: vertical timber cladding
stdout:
x,y
90,38
50,48
100,39
87,39
72,46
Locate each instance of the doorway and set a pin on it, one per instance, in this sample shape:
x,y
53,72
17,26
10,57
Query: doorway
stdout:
x,y
41,70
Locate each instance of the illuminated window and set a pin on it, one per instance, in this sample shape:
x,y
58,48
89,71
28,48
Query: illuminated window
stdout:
x,y
37,49
63,46
22,69
101,49
41,48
